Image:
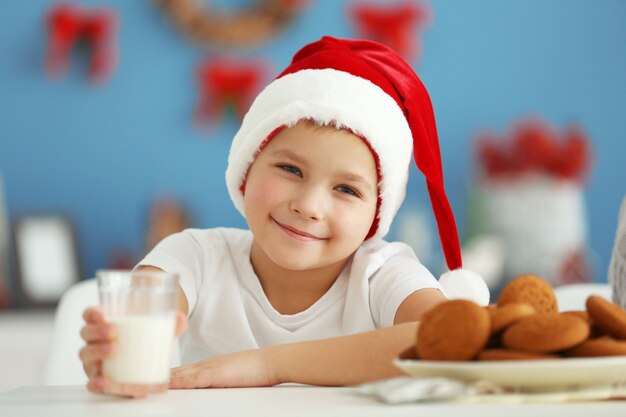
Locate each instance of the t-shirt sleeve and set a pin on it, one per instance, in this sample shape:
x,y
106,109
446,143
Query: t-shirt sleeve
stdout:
x,y
180,253
400,276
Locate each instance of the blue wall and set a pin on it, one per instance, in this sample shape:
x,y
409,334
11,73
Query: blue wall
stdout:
x,y
100,154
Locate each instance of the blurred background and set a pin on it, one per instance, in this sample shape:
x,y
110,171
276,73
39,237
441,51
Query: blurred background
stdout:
x,y
116,119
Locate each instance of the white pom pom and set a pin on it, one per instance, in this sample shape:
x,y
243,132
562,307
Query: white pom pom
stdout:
x,y
465,284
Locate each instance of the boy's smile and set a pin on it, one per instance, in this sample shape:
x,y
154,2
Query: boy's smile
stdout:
x,y
297,234
310,199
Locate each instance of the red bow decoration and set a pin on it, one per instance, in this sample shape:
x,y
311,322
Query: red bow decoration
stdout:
x,y
66,25
534,146
393,25
227,85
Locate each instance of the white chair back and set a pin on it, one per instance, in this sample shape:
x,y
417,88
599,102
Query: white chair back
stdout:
x,y
63,367
573,296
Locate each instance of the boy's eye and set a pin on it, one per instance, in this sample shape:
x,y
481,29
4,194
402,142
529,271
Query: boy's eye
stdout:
x,y
348,190
290,168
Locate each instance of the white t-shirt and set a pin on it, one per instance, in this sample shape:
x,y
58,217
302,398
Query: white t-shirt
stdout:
x,y
228,310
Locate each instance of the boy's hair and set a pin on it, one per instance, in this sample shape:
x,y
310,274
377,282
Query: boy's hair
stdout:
x,y
367,88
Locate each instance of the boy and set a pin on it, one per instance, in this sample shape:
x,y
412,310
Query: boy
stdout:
x,y
311,294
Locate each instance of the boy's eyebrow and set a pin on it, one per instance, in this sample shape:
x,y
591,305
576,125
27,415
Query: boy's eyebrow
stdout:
x,y
291,155
352,177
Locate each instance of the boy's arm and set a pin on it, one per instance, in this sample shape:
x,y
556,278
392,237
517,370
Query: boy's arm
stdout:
x,y
344,360
360,357
183,305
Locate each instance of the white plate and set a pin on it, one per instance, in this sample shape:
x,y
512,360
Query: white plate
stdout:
x,y
528,375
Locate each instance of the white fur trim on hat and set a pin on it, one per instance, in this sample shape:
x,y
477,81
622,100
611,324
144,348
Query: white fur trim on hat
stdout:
x,y
329,96
465,284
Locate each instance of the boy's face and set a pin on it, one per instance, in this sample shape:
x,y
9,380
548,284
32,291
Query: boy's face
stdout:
x,y
310,196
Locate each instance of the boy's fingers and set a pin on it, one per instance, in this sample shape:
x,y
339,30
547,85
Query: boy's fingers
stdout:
x,y
188,380
181,370
127,390
93,315
97,384
98,332
93,353
91,370
100,384
191,376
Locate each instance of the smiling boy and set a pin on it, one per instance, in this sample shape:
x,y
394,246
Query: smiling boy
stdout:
x,y
311,293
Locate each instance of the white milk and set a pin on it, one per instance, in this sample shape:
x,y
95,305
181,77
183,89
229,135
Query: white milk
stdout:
x,y
144,345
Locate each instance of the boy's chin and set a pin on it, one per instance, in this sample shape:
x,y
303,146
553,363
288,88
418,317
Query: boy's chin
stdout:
x,y
297,265
297,261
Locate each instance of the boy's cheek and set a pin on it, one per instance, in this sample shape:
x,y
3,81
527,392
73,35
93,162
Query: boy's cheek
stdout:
x,y
354,223
262,193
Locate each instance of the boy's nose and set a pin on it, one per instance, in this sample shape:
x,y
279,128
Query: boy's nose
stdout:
x,y
309,203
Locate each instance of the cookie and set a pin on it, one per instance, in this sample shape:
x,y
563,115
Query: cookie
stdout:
x,y
512,355
545,333
530,289
455,330
507,314
583,314
603,346
607,316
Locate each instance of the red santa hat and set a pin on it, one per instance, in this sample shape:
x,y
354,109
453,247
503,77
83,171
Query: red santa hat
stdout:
x,y
369,89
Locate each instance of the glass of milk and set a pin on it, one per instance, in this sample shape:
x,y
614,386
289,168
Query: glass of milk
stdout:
x,y
142,305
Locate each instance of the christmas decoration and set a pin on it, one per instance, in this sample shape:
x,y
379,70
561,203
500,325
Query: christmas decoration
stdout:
x,y
247,27
227,85
397,25
535,147
529,193
67,26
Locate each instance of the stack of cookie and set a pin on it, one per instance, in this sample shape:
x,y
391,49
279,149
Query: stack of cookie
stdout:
x,y
524,324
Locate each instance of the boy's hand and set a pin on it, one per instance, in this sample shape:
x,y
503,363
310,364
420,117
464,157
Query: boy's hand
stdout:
x,y
100,337
250,368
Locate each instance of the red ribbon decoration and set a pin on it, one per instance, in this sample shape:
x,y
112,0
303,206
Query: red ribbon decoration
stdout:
x,y
66,25
227,84
393,25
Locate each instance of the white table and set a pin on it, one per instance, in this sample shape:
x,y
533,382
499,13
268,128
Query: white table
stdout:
x,y
298,401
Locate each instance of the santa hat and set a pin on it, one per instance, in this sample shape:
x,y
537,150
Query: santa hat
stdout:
x,y
369,89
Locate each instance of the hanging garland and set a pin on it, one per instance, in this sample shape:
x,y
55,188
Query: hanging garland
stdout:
x,y
247,27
